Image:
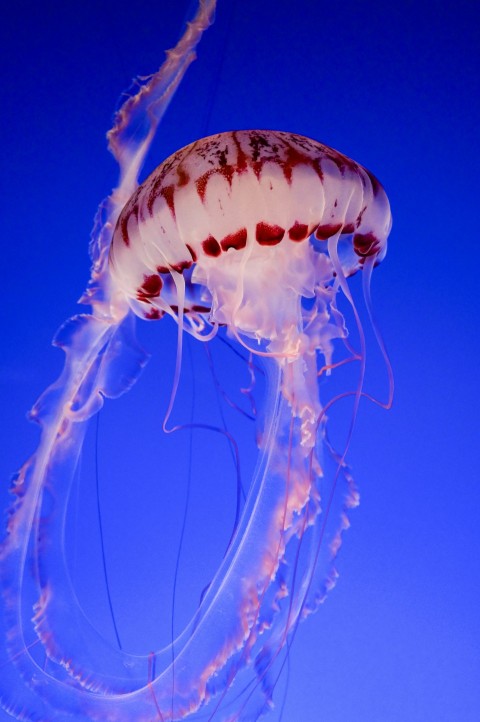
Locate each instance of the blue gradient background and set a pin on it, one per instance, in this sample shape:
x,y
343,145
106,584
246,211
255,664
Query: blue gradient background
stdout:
x,y
395,86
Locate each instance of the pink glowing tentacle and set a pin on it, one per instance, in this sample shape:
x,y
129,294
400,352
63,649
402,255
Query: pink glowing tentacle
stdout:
x,y
101,360
137,120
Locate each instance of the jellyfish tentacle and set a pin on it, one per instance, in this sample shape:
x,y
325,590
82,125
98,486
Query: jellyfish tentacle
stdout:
x,y
137,120
95,351
99,363
366,284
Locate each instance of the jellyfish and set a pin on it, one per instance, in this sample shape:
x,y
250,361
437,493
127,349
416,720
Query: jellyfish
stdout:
x,y
250,233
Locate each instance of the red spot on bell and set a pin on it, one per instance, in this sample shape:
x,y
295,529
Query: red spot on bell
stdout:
x,y
298,232
236,240
365,244
192,252
181,266
154,314
168,192
183,177
327,231
150,288
124,229
269,235
211,246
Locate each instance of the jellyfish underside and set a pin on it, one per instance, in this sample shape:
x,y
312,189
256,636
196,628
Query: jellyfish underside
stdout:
x,y
256,232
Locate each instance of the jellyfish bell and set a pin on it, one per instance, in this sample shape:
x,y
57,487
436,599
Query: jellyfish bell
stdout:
x,y
237,206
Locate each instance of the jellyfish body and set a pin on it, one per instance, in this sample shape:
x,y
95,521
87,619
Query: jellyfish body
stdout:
x,y
256,232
